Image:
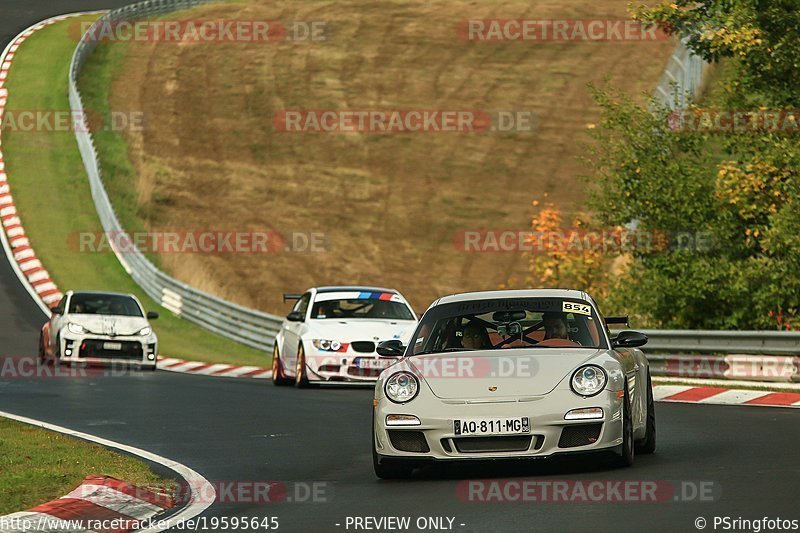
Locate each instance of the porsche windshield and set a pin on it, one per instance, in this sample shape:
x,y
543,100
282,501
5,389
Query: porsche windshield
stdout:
x,y
508,323
103,304
361,308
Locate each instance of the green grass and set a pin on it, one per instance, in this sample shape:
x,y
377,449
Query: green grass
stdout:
x,y
52,195
37,466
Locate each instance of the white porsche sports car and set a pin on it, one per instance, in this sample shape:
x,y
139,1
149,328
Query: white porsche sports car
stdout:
x,y
99,328
512,374
332,332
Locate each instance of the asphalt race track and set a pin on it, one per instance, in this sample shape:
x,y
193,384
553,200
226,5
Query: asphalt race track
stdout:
x,y
247,430
240,430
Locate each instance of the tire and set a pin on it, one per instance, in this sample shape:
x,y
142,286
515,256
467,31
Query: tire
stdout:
x,y
57,354
386,468
648,444
626,452
43,360
301,379
278,379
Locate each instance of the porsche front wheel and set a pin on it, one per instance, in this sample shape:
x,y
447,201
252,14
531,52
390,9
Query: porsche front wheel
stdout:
x,y
648,444
625,454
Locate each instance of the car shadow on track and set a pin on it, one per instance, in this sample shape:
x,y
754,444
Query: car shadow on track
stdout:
x,y
538,467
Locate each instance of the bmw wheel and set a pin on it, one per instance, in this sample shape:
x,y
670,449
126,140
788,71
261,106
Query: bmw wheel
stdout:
x,y
278,379
301,379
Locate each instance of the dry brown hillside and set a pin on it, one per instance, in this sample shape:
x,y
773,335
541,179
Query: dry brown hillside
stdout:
x,y
389,204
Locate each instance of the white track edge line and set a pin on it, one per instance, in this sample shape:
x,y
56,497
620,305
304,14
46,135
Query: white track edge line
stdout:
x,y
196,482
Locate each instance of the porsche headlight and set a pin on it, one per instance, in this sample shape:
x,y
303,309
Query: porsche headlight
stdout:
x,y
327,345
401,387
77,329
145,331
588,380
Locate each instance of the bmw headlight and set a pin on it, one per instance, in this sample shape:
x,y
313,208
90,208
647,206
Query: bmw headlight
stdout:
x,y
589,380
327,345
402,387
77,329
145,331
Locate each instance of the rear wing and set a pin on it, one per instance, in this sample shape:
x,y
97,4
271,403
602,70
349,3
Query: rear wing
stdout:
x,y
616,320
291,296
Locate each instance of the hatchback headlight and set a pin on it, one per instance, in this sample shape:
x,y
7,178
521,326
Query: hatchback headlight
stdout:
x,y
402,387
588,380
77,329
145,331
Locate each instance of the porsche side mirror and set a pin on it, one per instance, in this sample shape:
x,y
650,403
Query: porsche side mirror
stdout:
x,y
629,339
295,316
55,310
392,348
152,315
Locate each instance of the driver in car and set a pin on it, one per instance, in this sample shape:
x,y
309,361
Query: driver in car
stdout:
x,y
555,326
475,337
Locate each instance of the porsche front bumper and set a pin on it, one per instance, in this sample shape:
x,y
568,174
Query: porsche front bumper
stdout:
x,y
550,433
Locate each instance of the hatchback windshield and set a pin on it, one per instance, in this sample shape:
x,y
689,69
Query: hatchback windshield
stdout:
x,y
495,324
103,304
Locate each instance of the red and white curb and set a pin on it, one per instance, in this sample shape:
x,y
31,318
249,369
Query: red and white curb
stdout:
x,y
213,369
20,253
97,500
724,396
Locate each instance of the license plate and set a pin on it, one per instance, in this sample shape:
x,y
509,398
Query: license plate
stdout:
x,y
112,345
491,426
374,363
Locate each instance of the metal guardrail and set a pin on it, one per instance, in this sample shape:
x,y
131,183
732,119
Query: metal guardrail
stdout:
x,y
760,368
682,79
247,326
727,342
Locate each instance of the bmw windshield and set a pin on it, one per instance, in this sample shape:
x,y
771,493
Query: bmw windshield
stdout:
x,y
386,306
493,324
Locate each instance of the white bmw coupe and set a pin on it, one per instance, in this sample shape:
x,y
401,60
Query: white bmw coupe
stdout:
x,y
332,333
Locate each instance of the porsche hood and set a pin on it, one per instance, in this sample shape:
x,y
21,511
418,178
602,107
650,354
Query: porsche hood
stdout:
x,y
516,372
